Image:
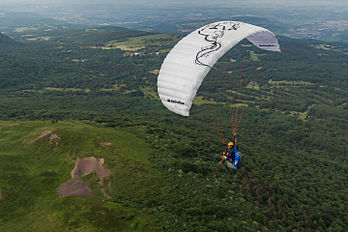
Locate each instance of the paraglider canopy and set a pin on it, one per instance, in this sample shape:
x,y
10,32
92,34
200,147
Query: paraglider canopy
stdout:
x,y
186,65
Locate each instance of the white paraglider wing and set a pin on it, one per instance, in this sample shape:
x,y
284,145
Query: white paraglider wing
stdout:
x,y
186,65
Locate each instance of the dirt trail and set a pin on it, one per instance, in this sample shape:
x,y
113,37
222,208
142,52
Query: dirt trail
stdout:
x,y
43,134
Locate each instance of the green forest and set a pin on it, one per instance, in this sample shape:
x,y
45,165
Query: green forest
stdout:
x,y
96,85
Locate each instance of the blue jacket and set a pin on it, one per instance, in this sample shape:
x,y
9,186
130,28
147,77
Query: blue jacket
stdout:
x,y
237,157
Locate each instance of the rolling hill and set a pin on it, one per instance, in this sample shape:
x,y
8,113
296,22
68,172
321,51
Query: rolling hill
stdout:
x,y
34,164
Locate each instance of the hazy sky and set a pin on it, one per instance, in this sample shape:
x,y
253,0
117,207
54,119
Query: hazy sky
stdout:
x,y
319,14
181,2
63,9
38,6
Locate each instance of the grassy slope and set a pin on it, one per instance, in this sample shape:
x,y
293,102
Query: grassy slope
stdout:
x,y
32,171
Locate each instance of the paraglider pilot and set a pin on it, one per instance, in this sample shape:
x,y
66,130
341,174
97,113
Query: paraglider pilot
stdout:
x,y
231,150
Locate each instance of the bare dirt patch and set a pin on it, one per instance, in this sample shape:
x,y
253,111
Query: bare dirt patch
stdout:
x,y
105,144
73,188
86,166
53,138
89,165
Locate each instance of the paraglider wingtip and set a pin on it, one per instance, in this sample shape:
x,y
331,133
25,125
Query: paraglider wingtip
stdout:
x,y
185,114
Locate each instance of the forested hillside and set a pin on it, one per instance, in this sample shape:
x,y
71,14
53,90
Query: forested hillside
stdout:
x,y
101,83
6,41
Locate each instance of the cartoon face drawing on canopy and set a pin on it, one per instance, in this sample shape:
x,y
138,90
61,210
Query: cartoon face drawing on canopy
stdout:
x,y
213,33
